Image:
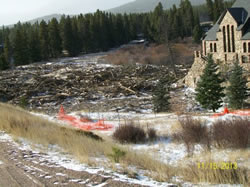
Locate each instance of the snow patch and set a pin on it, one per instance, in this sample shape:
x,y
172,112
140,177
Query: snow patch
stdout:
x,y
5,137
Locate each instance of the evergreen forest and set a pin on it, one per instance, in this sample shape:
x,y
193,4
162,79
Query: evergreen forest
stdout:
x,y
26,43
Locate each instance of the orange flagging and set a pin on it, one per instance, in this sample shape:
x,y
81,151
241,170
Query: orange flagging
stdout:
x,y
83,123
235,112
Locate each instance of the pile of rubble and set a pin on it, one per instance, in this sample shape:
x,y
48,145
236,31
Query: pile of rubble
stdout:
x,y
80,83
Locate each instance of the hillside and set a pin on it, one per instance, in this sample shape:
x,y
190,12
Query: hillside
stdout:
x,y
45,18
138,6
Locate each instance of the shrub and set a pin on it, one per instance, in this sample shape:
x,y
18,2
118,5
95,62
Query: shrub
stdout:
x,y
192,132
129,134
117,154
232,133
151,134
23,102
161,95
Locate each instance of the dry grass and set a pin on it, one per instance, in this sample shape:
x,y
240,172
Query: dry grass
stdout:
x,y
158,170
216,176
19,123
83,145
233,133
153,54
193,132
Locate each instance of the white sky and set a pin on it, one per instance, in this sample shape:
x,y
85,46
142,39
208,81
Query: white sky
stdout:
x,y
12,11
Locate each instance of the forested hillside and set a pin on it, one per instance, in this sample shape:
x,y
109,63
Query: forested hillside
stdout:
x,y
100,31
140,6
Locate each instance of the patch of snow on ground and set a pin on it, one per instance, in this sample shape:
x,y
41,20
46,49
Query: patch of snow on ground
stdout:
x,y
4,137
166,151
56,158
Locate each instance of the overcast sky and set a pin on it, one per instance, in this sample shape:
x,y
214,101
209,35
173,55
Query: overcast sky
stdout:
x,y
12,11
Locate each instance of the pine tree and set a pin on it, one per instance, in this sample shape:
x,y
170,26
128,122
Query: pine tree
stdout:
x,y
156,22
209,92
218,9
44,40
186,12
35,46
161,95
7,51
210,7
55,41
21,52
197,33
3,63
76,48
237,90
67,35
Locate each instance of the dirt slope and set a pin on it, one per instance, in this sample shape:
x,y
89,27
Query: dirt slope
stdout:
x,y
22,168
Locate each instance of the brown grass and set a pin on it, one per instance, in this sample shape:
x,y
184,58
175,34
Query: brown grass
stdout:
x,y
232,133
20,123
193,132
153,54
216,176
83,145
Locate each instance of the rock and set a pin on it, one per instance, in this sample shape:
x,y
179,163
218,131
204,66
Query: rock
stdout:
x,y
198,66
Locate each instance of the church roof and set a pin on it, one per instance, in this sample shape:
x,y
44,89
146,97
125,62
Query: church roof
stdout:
x,y
239,14
240,11
246,36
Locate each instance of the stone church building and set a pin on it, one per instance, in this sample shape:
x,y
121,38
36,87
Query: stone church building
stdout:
x,y
228,40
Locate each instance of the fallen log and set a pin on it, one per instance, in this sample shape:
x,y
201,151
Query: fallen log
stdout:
x,y
127,89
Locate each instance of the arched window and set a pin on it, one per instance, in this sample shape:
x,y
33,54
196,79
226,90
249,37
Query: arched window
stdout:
x,y
233,40
244,47
205,48
215,47
211,47
224,39
228,39
197,54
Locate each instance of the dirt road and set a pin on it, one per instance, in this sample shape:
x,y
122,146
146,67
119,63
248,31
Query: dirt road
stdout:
x,y
23,168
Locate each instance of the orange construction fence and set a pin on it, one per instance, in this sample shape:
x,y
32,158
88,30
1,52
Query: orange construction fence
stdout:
x,y
83,123
235,112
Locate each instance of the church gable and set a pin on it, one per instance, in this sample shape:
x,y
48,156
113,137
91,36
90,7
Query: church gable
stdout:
x,y
229,39
228,19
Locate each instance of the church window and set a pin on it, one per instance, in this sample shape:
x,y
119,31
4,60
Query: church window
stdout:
x,y
211,47
224,39
233,40
244,47
228,38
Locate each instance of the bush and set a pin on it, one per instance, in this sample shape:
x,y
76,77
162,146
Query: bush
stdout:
x,y
161,95
117,154
232,133
129,134
23,102
192,132
151,134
